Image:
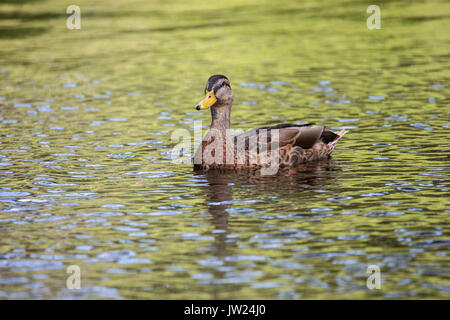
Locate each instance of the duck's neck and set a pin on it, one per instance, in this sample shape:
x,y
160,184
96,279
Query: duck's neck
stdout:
x,y
221,117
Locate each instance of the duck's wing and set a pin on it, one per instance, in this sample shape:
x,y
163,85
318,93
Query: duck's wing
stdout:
x,y
304,136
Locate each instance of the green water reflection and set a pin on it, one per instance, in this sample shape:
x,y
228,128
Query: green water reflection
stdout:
x,y
86,176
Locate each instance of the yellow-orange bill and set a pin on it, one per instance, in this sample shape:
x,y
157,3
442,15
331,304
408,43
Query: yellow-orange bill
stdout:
x,y
208,101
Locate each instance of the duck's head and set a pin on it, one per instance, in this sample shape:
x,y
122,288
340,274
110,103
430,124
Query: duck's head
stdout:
x,y
217,93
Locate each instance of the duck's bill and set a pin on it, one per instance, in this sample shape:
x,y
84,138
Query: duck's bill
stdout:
x,y
208,101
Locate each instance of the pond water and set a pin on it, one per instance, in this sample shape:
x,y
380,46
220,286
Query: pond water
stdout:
x,y
86,176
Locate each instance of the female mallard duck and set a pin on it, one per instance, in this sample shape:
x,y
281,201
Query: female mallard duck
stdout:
x,y
291,144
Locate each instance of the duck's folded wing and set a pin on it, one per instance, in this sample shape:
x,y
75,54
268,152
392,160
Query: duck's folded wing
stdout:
x,y
303,136
308,136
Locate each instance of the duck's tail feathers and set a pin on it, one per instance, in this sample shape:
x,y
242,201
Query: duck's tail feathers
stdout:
x,y
339,134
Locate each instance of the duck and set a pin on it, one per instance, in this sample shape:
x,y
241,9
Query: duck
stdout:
x,y
285,145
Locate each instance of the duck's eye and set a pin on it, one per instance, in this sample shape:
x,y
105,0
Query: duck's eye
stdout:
x,y
209,96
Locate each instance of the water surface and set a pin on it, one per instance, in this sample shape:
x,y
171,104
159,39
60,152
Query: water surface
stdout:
x,y
86,176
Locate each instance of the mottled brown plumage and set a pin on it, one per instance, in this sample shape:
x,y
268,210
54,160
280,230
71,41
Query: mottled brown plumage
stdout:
x,y
292,144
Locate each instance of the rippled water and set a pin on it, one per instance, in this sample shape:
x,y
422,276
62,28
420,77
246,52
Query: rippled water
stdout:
x,y
86,176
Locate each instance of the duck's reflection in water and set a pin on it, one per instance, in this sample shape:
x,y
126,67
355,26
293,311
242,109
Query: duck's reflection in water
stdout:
x,y
220,187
